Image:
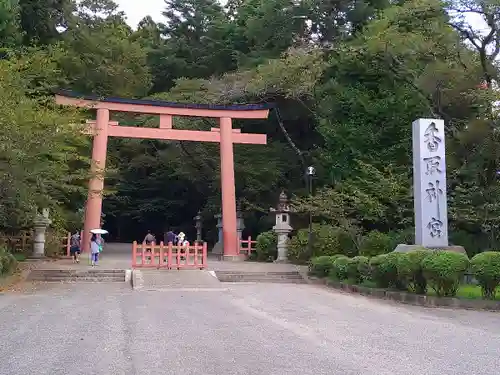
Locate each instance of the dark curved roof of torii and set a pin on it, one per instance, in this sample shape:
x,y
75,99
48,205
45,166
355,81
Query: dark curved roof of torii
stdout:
x,y
161,103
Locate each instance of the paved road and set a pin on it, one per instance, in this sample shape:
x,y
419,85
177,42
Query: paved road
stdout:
x,y
237,329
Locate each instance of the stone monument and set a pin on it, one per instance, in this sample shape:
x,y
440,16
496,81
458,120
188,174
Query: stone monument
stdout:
x,y
40,224
429,187
219,246
282,227
199,226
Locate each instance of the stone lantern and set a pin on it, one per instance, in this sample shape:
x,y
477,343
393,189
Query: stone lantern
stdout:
x,y
40,224
218,247
240,222
282,227
198,226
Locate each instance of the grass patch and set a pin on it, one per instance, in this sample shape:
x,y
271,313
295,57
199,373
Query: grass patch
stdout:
x,y
465,291
468,291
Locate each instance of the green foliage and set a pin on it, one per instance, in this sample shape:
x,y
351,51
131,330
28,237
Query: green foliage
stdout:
x,y
357,268
486,270
8,263
322,265
376,243
326,240
340,268
39,148
384,270
410,271
444,270
267,246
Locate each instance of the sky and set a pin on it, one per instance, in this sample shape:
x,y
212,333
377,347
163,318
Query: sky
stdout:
x,y
136,10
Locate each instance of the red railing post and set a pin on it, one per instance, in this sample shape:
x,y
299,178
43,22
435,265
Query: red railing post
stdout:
x,y
152,257
196,254
169,255
162,256
178,257
134,254
143,256
249,251
204,256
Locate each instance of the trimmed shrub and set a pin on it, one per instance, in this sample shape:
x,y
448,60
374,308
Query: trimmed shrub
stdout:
x,y
321,266
339,269
444,270
410,270
353,268
266,247
376,243
384,270
486,269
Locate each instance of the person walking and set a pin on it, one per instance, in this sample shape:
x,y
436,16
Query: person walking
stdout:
x,y
75,247
94,250
170,237
149,239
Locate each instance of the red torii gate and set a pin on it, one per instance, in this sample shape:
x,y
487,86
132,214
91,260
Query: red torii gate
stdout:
x,y
225,135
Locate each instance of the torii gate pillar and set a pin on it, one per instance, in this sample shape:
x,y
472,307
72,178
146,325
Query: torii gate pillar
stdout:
x,y
96,183
229,228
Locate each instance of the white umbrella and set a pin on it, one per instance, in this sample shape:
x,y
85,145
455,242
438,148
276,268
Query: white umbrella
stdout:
x,y
99,231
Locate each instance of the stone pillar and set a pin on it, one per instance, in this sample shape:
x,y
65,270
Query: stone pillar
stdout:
x,y
198,225
219,246
40,224
429,187
282,227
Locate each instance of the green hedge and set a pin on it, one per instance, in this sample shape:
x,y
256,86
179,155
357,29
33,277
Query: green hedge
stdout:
x,y
322,266
356,268
486,269
384,270
340,268
410,270
444,271
376,243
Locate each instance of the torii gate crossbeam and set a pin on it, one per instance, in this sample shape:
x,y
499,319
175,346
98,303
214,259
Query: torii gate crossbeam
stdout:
x,y
103,128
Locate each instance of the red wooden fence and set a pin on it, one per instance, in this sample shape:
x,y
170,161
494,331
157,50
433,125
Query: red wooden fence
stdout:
x,y
248,246
170,256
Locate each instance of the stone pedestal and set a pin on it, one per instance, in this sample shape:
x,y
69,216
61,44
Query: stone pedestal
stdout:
x,y
40,224
402,248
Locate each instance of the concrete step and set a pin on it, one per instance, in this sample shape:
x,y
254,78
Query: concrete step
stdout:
x,y
292,277
101,275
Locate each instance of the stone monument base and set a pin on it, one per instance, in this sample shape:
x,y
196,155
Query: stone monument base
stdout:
x,y
403,248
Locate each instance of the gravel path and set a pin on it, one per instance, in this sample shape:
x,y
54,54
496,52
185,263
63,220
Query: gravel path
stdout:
x,y
239,329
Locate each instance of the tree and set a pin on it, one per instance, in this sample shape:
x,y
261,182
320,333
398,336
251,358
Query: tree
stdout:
x,y
102,57
38,147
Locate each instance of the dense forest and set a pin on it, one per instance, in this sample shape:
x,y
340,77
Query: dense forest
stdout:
x,y
347,79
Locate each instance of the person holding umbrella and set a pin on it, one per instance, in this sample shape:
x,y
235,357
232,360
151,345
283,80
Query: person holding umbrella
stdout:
x,y
99,242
